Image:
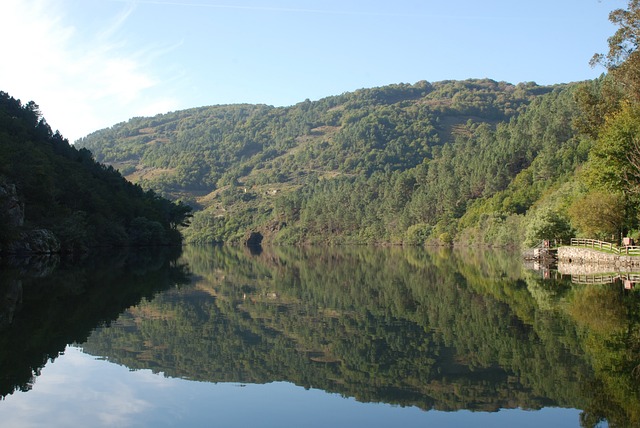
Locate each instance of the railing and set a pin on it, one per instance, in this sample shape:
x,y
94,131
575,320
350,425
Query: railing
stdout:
x,y
549,243
628,250
605,278
594,279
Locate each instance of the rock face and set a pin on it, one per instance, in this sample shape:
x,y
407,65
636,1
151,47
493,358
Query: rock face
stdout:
x,y
11,207
39,241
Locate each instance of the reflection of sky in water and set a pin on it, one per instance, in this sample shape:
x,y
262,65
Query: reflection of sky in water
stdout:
x,y
78,390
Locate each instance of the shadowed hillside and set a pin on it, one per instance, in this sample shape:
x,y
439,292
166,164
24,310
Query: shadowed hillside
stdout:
x,y
55,197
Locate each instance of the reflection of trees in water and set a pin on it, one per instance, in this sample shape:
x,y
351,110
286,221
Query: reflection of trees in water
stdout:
x,y
433,329
44,310
606,315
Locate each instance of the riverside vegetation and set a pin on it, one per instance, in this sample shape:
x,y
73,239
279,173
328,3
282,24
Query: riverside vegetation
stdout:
x,y
476,161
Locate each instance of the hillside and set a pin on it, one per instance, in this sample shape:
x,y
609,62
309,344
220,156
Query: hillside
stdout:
x,y
381,129
55,197
400,163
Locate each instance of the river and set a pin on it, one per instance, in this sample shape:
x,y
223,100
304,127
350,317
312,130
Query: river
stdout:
x,y
290,337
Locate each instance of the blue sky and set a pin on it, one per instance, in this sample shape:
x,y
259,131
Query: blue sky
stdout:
x,y
92,63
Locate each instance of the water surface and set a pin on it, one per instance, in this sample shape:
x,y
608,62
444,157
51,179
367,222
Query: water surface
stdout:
x,y
311,337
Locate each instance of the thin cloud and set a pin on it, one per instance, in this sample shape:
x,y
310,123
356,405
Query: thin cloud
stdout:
x,y
70,75
413,11
117,23
360,12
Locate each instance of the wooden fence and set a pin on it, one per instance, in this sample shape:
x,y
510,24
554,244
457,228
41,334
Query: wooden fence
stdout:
x,y
627,250
606,278
594,279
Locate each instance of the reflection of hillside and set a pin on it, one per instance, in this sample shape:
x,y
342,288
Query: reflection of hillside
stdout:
x,y
45,310
402,326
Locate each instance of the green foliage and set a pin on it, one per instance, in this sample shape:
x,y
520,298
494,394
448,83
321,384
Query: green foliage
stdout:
x,y
372,166
546,223
85,203
613,161
144,232
597,100
417,234
598,214
611,115
623,58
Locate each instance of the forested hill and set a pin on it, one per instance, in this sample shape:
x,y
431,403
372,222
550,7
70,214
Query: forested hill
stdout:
x,y
400,163
392,128
55,197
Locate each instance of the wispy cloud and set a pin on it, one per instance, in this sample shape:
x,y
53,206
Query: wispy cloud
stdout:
x,y
369,10
82,82
117,22
357,12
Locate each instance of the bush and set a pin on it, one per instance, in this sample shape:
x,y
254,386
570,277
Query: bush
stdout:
x,y
547,224
417,234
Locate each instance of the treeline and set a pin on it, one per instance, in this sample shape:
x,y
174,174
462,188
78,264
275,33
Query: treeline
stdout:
x,y
45,183
476,161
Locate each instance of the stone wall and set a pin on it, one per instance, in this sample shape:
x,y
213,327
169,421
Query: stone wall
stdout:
x,y
577,260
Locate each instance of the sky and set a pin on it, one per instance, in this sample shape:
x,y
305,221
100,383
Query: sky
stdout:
x,y
81,390
90,64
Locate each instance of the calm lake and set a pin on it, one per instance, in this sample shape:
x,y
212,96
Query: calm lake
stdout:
x,y
315,337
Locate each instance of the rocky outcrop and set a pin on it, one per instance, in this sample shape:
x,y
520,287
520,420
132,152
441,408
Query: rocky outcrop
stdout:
x,y
11,207
39,241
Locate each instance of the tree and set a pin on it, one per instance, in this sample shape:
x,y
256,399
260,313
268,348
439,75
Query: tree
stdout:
x,y
547,224
623,59
614,161
179,214
598,214
597,100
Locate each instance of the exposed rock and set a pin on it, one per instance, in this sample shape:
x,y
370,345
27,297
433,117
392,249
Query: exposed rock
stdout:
x,y
254,239
11,207
39,241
